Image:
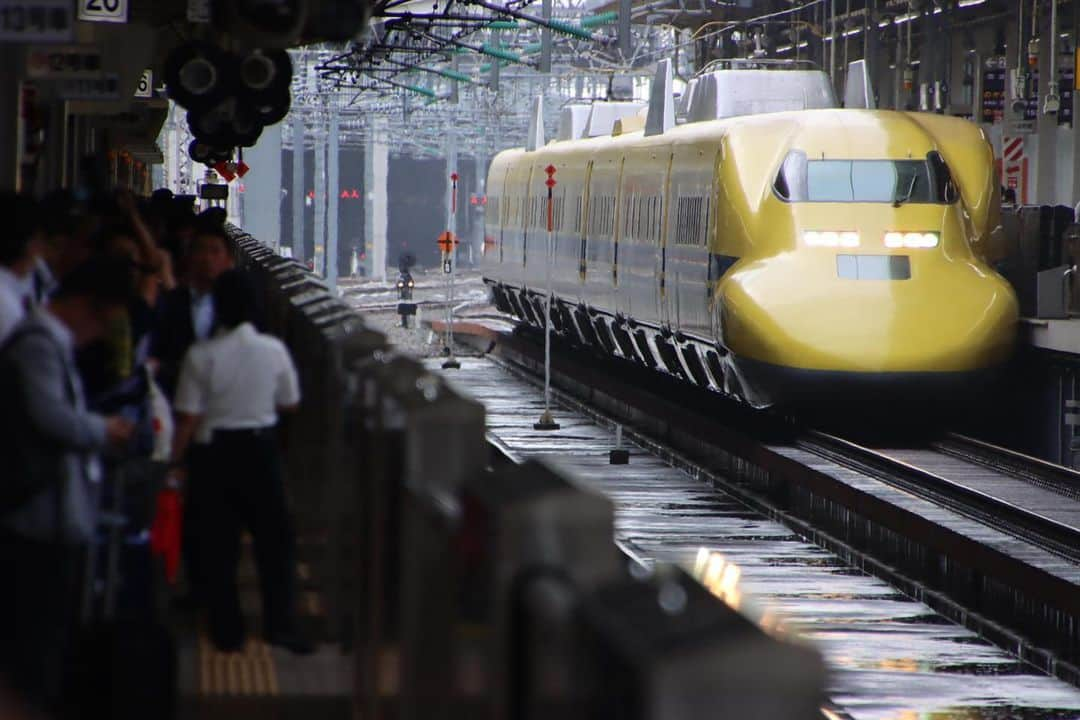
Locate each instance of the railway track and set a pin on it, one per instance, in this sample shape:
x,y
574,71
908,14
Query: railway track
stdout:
x,y
1011,492
668,506
1062,480
987,536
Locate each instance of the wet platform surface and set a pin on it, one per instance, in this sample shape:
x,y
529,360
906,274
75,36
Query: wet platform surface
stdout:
x,y
891,657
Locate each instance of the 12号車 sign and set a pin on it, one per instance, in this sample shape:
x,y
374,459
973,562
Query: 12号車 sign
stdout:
x,y
36,21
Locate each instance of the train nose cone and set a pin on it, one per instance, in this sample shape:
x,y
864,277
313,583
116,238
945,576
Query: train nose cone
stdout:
x,y
796,311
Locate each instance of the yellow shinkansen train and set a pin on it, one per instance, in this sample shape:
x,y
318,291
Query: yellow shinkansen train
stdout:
x,y
767,255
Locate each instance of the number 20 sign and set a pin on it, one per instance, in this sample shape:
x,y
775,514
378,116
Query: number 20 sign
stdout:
x,y
115,11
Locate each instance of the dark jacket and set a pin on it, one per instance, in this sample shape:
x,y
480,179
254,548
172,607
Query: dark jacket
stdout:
x,y
174,333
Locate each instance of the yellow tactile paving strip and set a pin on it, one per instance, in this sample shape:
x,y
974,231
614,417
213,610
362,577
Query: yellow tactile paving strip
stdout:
x,y
240,674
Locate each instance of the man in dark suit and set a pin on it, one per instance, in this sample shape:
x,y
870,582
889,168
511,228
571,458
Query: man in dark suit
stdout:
x,y
186,314
50,444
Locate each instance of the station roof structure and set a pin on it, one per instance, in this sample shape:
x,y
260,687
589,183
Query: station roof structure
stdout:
x,y
466,71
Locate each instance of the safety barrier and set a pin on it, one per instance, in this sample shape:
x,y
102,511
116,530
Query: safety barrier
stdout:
x,y
471,585
1039,257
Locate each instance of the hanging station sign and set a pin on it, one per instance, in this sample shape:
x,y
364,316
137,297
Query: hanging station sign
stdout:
x,y
36,21
110,11
61,62
993,91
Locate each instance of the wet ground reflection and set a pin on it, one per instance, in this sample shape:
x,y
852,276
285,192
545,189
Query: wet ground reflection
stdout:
x,y
892,658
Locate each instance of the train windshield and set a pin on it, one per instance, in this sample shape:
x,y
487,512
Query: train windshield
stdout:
x,y
864,181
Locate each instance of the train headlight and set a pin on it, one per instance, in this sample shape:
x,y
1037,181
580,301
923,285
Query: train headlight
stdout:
x,y
911,239
831,238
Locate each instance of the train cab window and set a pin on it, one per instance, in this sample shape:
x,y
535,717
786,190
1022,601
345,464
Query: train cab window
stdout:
x,y
864,181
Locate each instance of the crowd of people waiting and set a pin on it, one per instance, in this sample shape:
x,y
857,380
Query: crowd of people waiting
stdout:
x,y
108,308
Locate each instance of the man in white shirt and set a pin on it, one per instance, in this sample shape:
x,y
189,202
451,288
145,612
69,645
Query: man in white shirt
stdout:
x,y
18,254
228,397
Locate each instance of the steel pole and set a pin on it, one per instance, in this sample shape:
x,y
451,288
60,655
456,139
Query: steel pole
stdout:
x,y
298,185
333,157
451,254
547,422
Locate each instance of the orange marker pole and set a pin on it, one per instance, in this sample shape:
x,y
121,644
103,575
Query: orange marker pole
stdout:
x,y
450,258
547,422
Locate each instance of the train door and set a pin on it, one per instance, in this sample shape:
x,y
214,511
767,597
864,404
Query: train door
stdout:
x,y
662,307
601,275
583,225
527,220
720,254
616,228
504,212
689,255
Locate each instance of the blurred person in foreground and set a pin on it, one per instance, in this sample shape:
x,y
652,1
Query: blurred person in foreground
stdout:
x,y
50,444
230,392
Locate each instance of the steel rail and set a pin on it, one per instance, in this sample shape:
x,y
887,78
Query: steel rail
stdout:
x,y
1029,525
1045,474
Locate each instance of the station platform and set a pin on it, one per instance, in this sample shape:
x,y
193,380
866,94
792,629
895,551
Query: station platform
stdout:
x,y
1061,335
263,681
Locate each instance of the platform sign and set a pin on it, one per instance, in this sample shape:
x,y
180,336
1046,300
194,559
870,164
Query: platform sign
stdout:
x,y
145,88
104,88
110,11
36,21
62,62
1031,110
993,91
1066,85
198,11
1021,127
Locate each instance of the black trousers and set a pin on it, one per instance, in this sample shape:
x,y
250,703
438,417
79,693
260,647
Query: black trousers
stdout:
x,y
193,488
244,489
39,608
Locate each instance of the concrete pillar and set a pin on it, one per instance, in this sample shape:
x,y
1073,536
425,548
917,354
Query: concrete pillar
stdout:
x,y
334,183
319,236
262,188
1046,169
898,71
53,170
376,173
10,116
298,191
